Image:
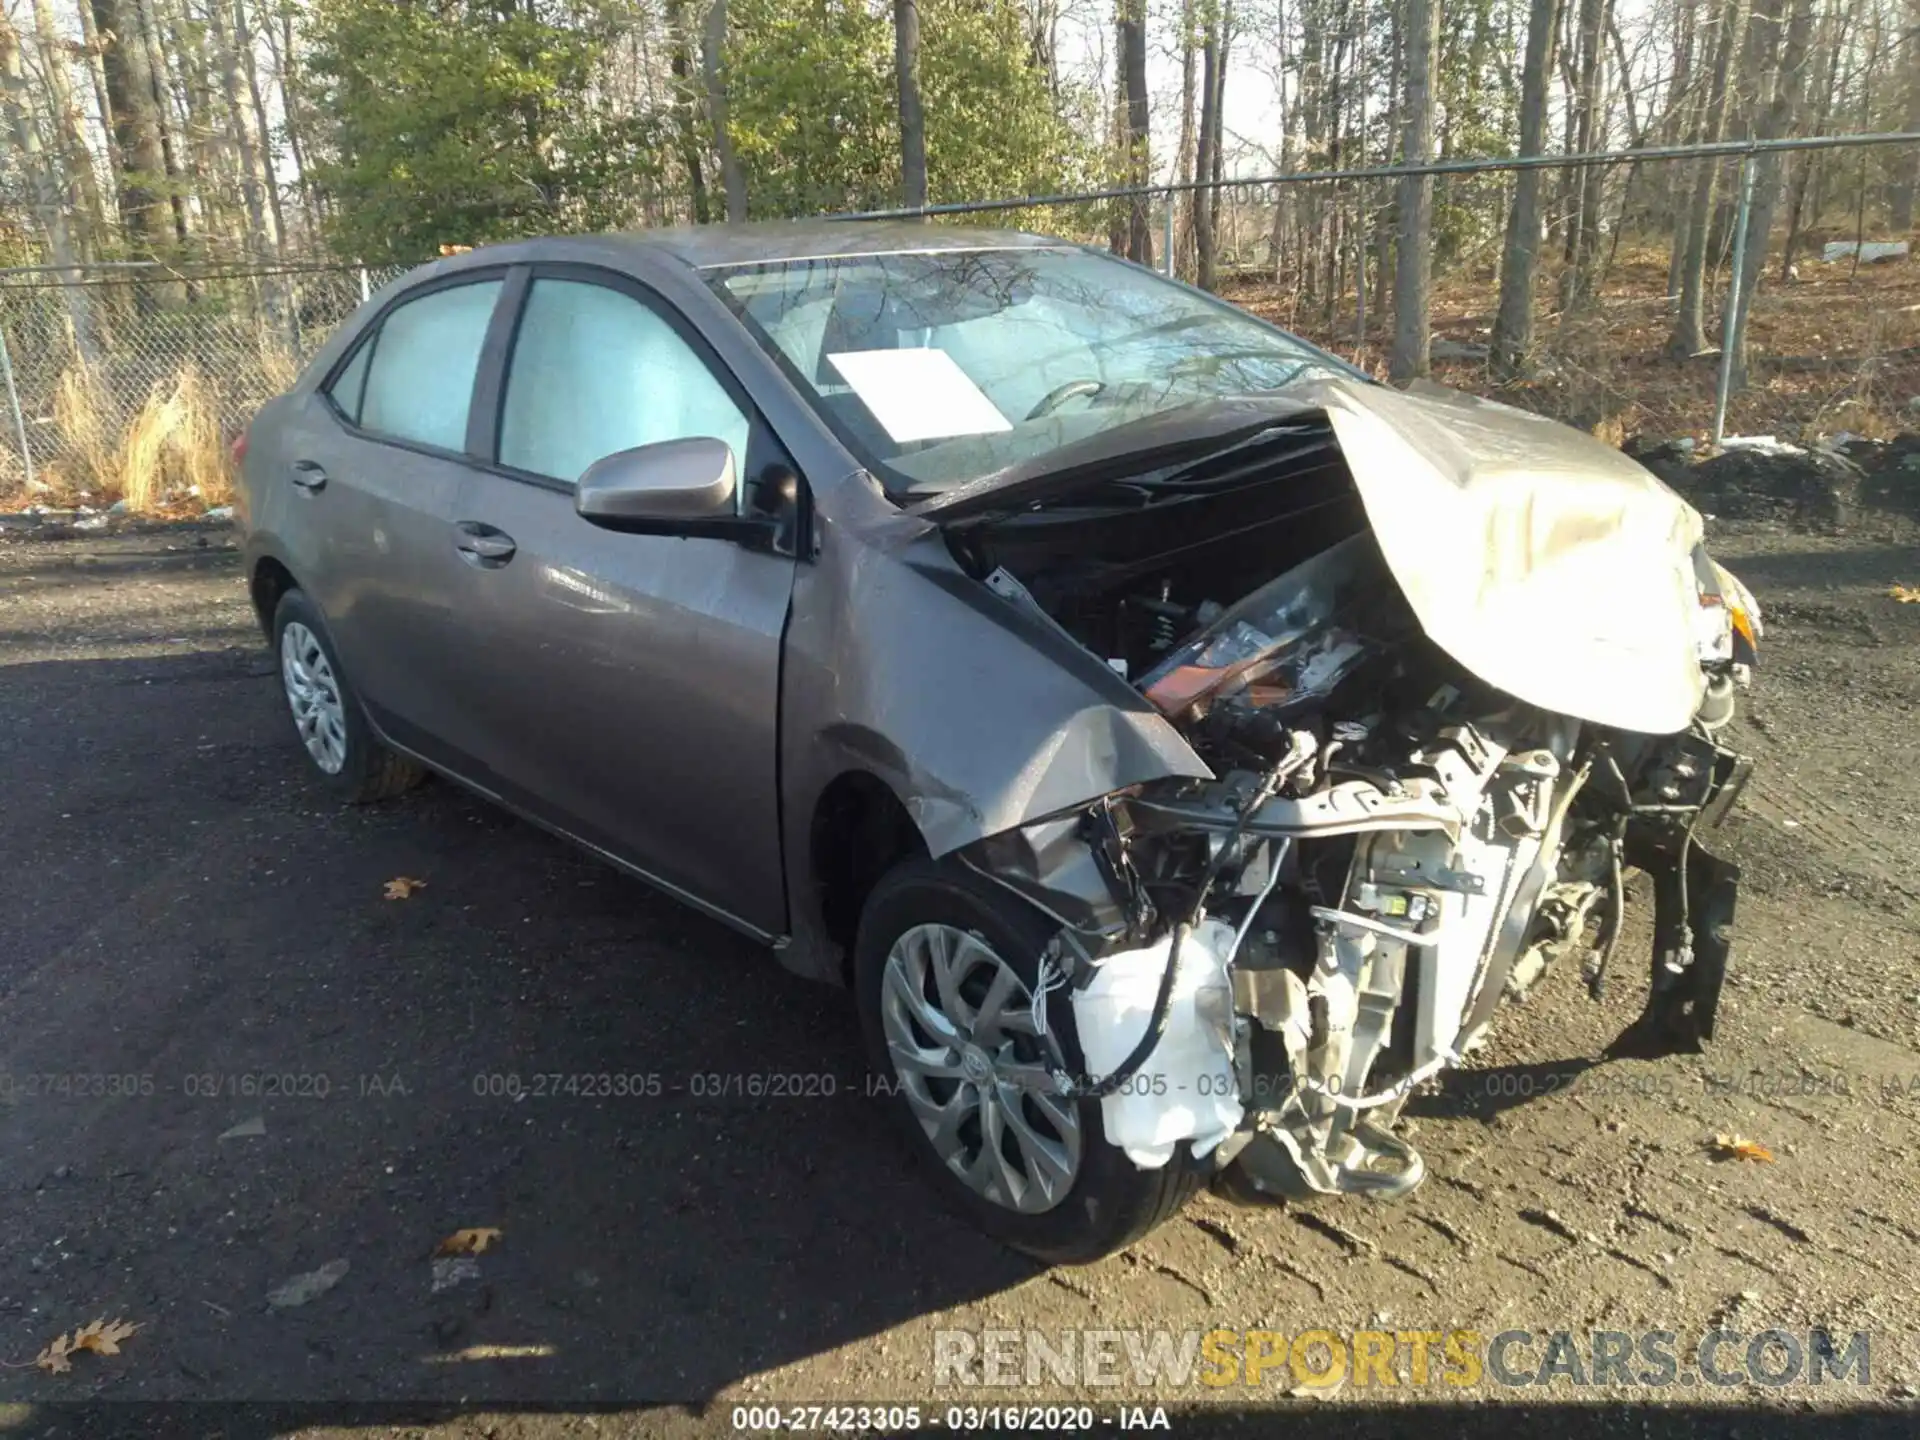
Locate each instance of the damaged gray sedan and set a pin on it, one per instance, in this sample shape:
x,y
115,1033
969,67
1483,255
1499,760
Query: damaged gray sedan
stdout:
x,y
1179,743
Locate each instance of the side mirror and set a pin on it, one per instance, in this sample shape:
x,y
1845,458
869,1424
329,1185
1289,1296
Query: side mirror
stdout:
x,y
672,487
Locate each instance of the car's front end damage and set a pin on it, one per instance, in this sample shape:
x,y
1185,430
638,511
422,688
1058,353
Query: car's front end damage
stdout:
x,y
1452,671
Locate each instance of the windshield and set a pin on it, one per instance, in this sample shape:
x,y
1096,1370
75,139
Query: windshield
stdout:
x,y
936,368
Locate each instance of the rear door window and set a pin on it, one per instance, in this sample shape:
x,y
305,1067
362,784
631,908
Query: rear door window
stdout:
x,y
421,364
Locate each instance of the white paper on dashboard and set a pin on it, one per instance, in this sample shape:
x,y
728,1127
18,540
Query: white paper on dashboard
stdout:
x,y
919,394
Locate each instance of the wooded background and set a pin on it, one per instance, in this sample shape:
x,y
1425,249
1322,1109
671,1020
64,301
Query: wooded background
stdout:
x,y
263,138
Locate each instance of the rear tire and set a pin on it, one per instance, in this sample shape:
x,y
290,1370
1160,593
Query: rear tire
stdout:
x,y
1102,1203
326,712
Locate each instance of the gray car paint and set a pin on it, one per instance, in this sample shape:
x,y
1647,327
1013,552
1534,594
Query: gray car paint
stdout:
x,y
896,665
635,692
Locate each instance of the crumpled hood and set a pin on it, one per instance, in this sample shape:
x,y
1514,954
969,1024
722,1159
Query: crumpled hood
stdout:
x,y
1544,561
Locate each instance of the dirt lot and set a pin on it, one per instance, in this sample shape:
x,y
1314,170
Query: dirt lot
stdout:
x,y
180,905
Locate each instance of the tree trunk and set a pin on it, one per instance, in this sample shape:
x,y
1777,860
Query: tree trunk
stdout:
x,y
1413,272
1900,202
39,171
1689,323
1789,91
1512,344
80,186
97,76
293,108
263,236
171,145
1204,238
243,35
1184,238
1131,25
1684,112
733,179
1583,229
1217,194
683,107
136,126
913,122
1835,26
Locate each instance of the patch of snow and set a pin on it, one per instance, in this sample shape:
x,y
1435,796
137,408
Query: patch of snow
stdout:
x,y
1870,250
1765,444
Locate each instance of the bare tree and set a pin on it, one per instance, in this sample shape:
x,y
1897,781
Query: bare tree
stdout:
x,y
1184,157
683,108
1689,322
1590,108
1900,200
263,232
243,39
1130,26
1512,344
733,179
1788,95
40,175
913,122
81,188
1413,272
142,175
1207,162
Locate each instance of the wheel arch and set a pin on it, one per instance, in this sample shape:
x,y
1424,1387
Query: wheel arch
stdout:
x,y
269,580
859,830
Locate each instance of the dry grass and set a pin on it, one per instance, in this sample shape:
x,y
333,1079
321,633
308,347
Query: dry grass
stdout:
x,y
169,455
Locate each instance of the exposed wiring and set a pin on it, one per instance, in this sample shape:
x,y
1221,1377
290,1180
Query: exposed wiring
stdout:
x,y
1298,753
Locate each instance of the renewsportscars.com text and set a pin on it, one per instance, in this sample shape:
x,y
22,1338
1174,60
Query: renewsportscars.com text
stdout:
x,y
1387,1359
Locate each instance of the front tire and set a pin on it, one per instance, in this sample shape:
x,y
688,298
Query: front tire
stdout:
x,y
945,966
326,713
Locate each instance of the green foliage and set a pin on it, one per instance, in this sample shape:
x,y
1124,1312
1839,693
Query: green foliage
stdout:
x,y
458,122
814,112
811,105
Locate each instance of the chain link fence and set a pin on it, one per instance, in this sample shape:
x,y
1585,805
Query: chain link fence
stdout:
x,y
87,354
125,381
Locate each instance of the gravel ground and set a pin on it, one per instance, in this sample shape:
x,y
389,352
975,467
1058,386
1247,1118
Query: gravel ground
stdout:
x,y
232,1062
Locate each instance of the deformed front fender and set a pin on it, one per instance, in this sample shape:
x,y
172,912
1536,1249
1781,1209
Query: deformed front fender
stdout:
x,y
979,716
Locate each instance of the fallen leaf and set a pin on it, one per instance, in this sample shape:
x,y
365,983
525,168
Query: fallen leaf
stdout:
x,y
467,1242
1738,1147
1905,594
401,886
101,1336
53,1359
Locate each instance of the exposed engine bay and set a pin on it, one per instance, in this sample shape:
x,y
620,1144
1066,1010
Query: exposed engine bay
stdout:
x,y
1266,964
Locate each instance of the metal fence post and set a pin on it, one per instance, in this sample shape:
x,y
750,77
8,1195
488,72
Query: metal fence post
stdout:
x,y
1167,235
1730,322
366,291
13,403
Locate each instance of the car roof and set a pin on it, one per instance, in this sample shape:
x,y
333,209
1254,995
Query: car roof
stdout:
x,y
770,241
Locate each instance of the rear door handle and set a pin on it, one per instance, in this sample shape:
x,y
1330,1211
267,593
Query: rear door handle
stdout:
x,y
482,544
308,476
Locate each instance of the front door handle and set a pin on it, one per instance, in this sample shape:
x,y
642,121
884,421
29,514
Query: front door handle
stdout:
x,y
308,476
482,544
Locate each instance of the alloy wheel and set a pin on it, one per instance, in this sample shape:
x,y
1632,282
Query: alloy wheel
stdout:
x,y
313,694
960,1029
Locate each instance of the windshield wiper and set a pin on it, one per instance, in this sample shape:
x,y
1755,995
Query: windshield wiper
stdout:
x,y
1166,441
